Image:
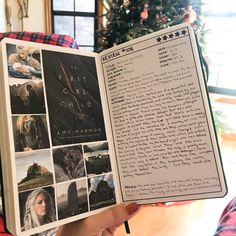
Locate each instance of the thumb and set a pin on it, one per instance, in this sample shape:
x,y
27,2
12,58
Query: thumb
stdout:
x,y
114,216
94,225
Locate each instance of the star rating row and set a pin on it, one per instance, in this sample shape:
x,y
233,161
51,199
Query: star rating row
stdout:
x,y
172,35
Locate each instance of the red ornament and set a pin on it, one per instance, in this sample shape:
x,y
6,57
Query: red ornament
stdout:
x,y
144,13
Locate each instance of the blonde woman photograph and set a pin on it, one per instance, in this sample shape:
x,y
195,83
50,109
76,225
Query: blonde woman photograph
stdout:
x,y
38,210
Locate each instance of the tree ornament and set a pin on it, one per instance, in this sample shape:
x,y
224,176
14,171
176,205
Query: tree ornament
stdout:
x,y
164,19
126,3
189,15
144,13
158,16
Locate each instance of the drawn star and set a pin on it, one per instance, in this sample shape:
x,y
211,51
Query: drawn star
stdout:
x,y
165,37
177,34
183,32
171,36
158,39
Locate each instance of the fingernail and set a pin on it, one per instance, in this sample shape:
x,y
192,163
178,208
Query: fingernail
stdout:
x,y
132,208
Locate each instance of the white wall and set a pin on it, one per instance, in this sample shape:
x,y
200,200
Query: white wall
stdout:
x,y
35,22
2,17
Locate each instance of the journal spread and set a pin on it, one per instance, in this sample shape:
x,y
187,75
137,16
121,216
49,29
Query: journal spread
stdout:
x,y
82,131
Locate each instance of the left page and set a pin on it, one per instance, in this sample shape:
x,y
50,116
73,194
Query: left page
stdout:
x,y
55,137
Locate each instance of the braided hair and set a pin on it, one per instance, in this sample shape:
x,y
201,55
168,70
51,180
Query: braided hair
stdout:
x,y
30,218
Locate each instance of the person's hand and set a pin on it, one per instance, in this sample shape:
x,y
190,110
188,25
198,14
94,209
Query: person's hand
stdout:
x,y
23,69
28,149
102,224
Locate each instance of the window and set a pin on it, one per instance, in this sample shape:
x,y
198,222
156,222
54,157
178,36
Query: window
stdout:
x,y
77,19
220,46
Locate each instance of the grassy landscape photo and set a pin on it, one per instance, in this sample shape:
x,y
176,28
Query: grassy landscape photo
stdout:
x,y
33,169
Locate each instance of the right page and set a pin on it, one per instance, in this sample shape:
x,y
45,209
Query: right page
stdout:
x,y
164,137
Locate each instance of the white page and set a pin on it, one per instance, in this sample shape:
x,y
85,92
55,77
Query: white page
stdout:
x,y
164,138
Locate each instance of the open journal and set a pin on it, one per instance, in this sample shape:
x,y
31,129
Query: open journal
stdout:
x,y
82,131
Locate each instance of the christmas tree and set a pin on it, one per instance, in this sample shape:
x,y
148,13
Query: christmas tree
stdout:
x,y
129,19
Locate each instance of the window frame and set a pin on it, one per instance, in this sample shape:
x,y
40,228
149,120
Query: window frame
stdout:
x,y
50,13
217,89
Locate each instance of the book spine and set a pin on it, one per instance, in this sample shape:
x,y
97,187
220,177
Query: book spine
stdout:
x,y
6,193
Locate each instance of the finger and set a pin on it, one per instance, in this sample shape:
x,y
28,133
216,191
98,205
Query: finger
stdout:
x,y
114,216
112,229
106,233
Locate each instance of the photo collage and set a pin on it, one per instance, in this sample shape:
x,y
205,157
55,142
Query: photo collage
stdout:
x,y
63,165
